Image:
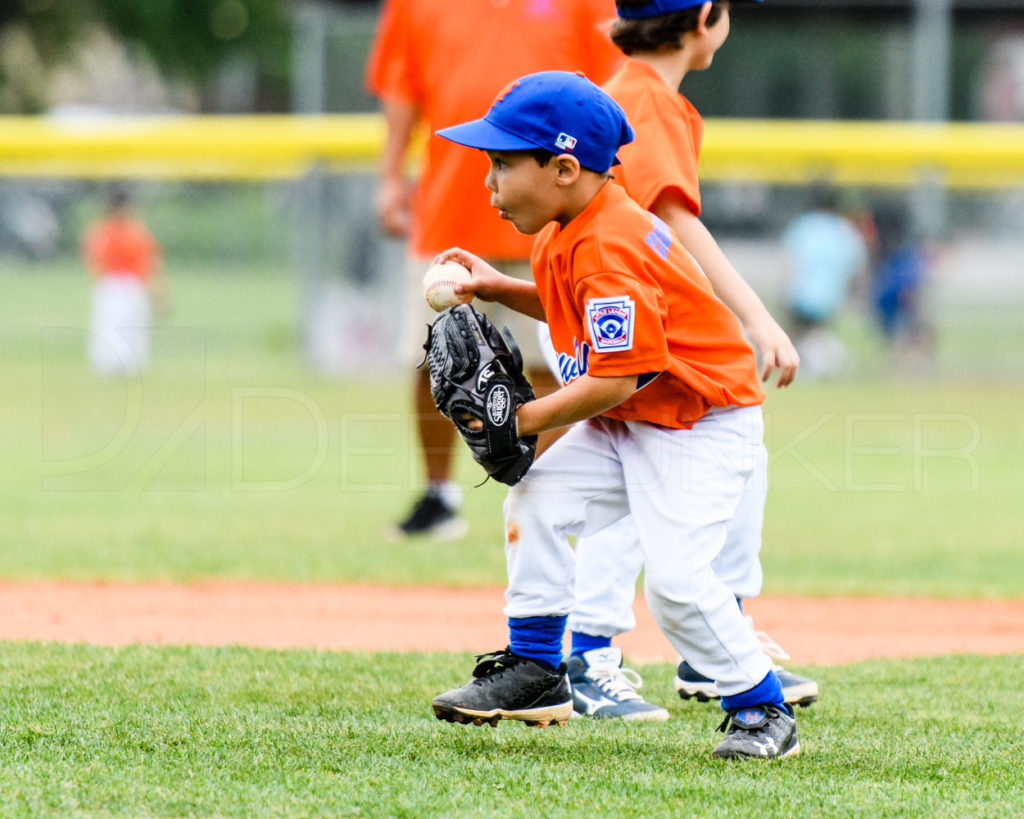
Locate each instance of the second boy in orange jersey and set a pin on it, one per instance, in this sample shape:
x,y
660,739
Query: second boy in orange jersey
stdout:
x,y
665,40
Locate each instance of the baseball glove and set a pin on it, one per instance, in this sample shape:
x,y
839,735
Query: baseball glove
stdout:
x,y
476,375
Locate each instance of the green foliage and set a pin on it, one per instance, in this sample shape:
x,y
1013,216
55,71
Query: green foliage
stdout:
x,y
49,24
145,731
190,38
36,35
186,39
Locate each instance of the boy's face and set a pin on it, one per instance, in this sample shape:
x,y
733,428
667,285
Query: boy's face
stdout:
x,y
705,47
523,191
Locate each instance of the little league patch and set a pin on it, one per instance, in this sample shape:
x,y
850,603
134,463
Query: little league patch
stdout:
x,y
611,323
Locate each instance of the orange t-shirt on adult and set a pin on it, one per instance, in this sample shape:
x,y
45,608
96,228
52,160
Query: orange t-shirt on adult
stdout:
x,y
121,246
664,154
623,297
450,59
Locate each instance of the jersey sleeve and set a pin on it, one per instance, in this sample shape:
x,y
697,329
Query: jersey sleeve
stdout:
x,y
623,325
390,69
663,159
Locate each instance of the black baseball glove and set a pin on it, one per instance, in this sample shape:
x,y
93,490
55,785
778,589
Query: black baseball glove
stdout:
x,y
476,375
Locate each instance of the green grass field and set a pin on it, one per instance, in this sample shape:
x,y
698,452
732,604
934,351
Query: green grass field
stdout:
x,y
236,732
231,459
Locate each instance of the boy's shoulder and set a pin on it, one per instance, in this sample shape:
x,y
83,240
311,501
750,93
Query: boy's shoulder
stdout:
x,y
613,225
645,96
613,209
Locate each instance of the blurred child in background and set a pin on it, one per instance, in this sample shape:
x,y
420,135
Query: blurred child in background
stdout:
x,y
824,252
898,282
125,260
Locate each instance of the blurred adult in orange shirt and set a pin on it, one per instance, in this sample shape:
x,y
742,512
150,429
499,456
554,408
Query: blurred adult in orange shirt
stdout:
x,y
436,63
125,262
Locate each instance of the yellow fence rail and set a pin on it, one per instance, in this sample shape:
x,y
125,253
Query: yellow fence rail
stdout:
x,y
956,155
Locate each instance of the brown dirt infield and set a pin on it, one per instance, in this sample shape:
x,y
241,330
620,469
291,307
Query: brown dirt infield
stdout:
x,y
377,618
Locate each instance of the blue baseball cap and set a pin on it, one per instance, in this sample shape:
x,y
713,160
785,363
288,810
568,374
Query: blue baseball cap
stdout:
x,y
559,111
655,7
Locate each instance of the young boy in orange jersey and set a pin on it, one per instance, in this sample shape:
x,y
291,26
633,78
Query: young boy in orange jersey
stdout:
x,y
423,71
438,62
658,370
124,259
664,40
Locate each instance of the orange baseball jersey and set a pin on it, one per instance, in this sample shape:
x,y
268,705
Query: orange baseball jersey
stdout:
x,y
622,297
122,246
665,152
450,58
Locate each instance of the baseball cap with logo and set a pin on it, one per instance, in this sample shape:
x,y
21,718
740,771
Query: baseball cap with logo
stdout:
x,y
560,111
652,8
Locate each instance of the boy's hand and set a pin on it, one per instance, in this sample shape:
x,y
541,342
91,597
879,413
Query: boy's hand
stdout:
x,y
776,350
485,282
488,284
393,206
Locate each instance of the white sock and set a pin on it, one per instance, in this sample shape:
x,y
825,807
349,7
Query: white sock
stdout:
x,y
449,492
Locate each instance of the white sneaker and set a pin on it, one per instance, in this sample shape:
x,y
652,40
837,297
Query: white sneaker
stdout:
x,y
601,688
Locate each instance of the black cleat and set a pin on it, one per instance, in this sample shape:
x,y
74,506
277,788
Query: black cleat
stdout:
x,y
507,686
691,684
430,516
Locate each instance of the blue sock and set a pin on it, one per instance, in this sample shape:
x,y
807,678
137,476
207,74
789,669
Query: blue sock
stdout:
x,y
766,692
588,642
539,638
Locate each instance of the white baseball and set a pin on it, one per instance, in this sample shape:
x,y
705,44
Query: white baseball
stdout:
x,y
439,285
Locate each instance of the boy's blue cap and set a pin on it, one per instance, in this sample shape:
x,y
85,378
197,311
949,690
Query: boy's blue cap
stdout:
x,y
560,111
656,7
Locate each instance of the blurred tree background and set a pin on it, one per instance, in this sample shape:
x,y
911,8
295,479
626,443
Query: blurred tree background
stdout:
x,y
842,59
187,41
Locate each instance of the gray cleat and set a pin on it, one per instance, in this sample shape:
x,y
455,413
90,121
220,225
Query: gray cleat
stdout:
x,y
758,732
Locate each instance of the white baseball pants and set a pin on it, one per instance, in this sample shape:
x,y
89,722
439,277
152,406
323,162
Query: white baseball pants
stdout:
x,y
609,562
120,325
683,489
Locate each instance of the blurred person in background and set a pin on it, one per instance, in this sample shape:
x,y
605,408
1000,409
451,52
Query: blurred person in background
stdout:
x,y
824,252
124,259
898,282
435,63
